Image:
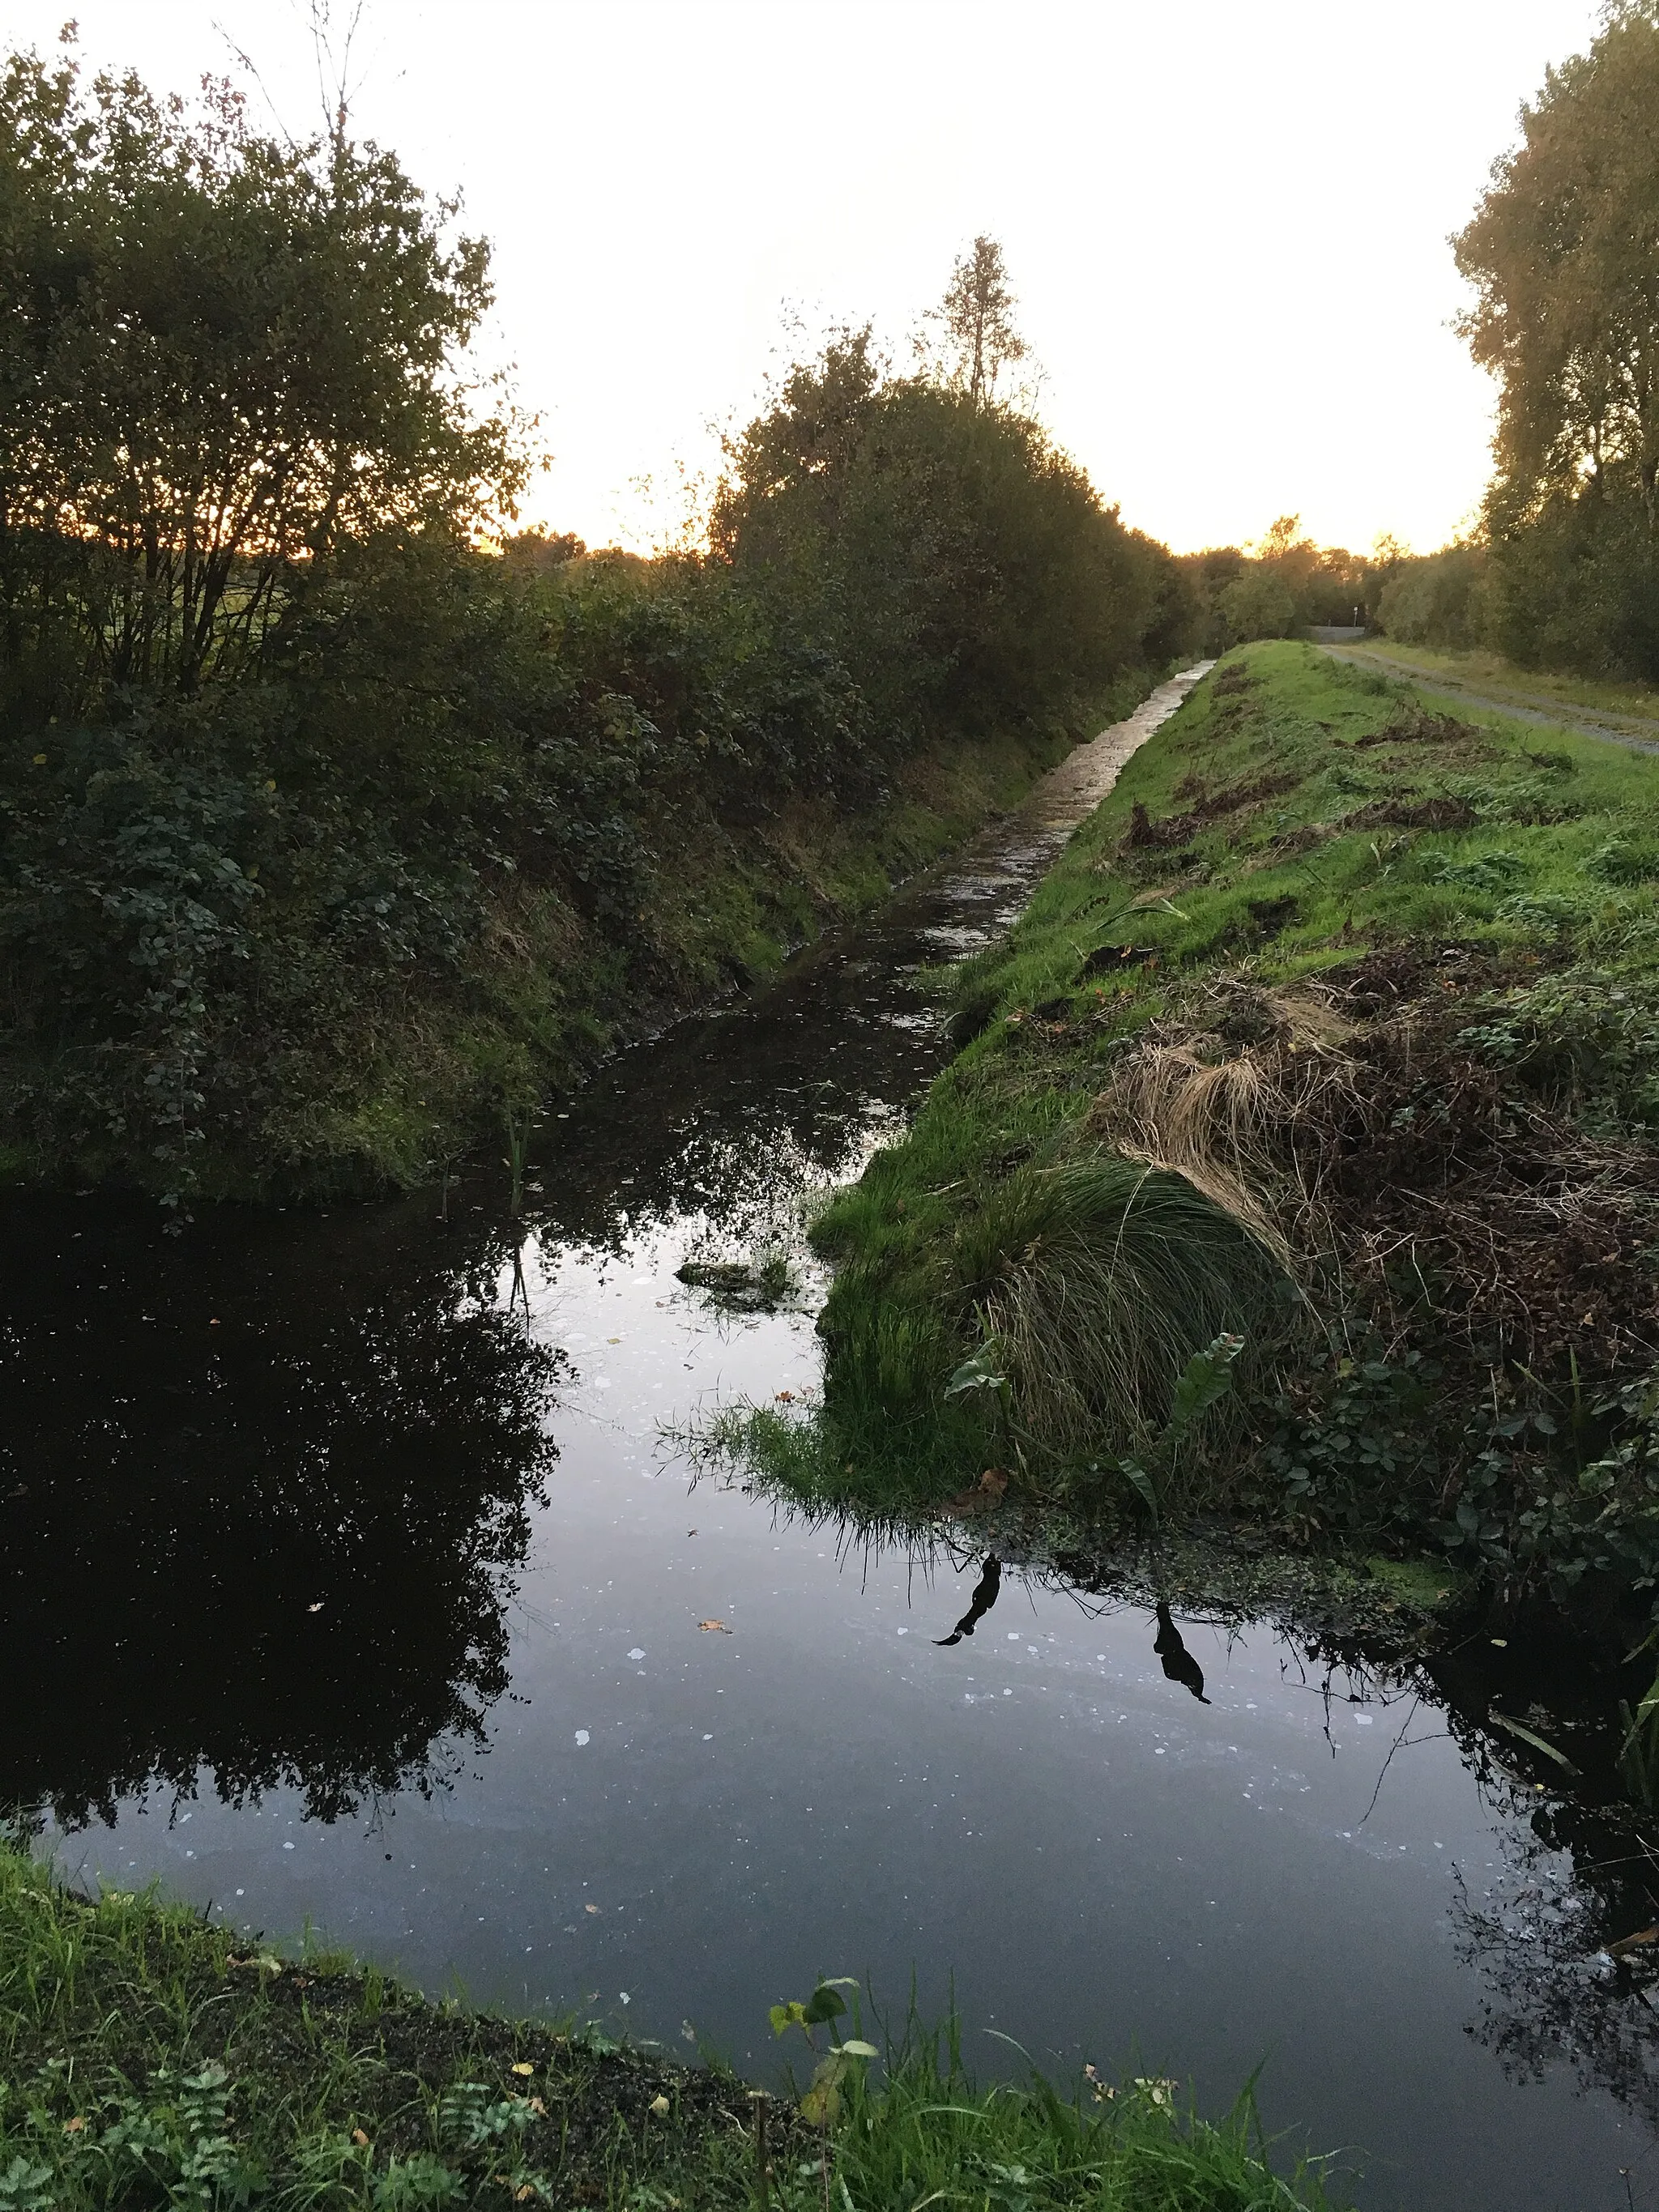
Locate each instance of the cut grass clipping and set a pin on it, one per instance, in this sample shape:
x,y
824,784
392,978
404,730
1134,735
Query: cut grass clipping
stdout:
x,y
152,2060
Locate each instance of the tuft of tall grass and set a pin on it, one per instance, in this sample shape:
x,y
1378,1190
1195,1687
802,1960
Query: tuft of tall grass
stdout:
x,y
1097,1279
925,2133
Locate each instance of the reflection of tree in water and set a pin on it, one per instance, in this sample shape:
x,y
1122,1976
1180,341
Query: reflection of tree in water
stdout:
x,y
1176,1661
253,1523
1536,1926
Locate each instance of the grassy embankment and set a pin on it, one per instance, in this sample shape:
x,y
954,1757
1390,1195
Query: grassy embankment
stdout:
x,y
551,994
542,992
1297,1167
148,2059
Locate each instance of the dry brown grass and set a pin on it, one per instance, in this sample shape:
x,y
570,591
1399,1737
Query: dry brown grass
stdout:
x,y
1354,1134
1223,1110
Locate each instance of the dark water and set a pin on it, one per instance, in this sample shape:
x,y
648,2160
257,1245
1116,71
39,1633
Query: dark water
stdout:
x,y
348,1580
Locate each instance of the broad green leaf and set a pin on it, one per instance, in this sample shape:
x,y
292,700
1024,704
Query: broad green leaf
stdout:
x,y
1206,1376
1530,1735
976,1373
821,2105
1143,1482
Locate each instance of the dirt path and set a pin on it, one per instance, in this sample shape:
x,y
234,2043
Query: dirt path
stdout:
x,y
1521,707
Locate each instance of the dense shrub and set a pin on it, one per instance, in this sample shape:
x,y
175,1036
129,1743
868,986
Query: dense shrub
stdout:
x,y
1441,600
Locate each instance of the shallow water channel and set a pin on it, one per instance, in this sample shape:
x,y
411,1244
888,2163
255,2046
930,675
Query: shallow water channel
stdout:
x,y
348,1581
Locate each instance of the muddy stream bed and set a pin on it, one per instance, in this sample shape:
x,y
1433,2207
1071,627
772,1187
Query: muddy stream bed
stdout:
x,y
349,1582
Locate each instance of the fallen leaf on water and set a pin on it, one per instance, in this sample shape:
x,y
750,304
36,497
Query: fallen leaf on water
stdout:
x,y
1642,1937
359,2137
522,2068
718,1627
590,1908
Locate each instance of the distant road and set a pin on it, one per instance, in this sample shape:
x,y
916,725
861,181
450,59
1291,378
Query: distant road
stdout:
x,y
1617,729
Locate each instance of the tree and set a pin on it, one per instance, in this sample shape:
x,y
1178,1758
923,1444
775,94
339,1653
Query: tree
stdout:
x,y
222,357
1563,254
1438,600
1257,604
976,316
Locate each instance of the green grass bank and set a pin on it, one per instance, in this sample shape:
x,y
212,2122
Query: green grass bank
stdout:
x,y
1296,1173
152,2060
551,991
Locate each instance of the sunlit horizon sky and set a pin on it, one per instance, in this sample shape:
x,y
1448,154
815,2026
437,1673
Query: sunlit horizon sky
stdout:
x,y
1227,224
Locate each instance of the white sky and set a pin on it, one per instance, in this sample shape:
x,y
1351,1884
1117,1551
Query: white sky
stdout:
x,y
1226,219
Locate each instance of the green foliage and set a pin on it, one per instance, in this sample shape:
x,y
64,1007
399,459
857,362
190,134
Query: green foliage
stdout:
x,y
223,355
1257,604
1438,599
925,2130
329,840
1283,586
1353,1443
1559,252
962,567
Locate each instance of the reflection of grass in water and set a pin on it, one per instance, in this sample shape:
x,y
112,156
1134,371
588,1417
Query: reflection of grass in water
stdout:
x,y
150,2058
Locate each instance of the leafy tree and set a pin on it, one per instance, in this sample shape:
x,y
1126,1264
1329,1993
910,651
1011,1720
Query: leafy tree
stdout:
x,y
1438,600
1563,254
1257,604
221,357
963,568
976,317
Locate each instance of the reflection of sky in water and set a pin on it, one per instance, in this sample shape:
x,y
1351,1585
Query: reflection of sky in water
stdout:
x,y
284,1514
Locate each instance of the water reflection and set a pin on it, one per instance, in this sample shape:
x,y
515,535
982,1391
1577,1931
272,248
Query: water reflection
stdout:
x,y
1177,1663
984,1597
1561,1986
254,1523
